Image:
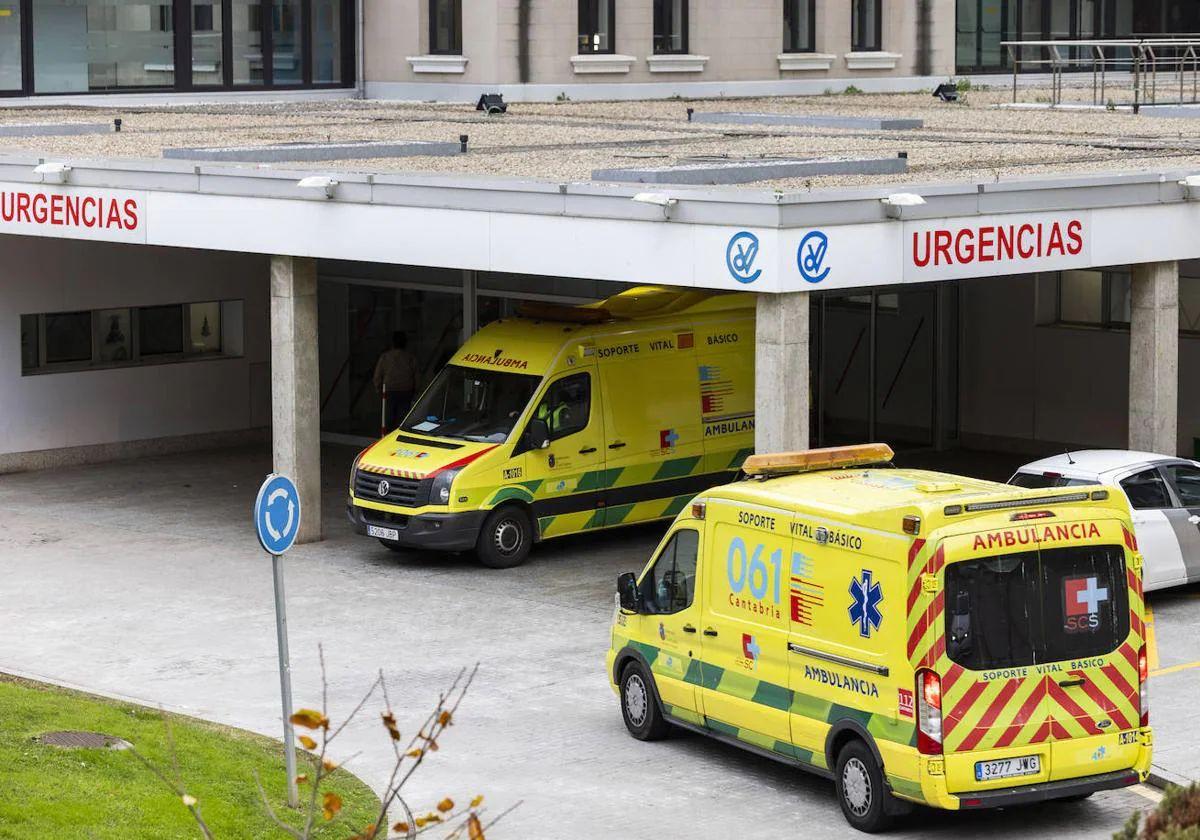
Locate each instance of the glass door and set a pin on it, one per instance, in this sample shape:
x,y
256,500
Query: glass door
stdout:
x,y
11,77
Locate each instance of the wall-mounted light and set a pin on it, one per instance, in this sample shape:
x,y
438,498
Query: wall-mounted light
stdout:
x,y
895,203
53,172
323,184
658,200
1191,187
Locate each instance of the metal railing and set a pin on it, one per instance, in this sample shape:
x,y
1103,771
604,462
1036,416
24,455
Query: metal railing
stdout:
x,y
1142,61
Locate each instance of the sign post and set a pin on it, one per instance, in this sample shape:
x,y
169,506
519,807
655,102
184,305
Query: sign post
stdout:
x,y
277,521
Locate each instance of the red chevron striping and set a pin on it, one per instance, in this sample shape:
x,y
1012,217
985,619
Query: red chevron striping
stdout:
x,y
937,561
935,652
1118,681
1127,651
914,550
918,631
1073,709
1104,702
963,706
1024,715
1135,622
1058,732
952,674
989,716
931,566
1043,733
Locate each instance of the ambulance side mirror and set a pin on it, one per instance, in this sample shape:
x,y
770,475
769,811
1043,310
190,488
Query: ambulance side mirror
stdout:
x,y
537,435
627,592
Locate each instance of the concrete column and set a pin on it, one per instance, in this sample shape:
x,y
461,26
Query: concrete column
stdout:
x,y
295,384
1154,358
470,318
781,373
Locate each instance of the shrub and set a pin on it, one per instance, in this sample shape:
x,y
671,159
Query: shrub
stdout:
x,y
1177,817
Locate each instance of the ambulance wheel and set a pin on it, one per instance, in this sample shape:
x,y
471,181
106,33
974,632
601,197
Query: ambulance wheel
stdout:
x,y
639,705
505,538
866,801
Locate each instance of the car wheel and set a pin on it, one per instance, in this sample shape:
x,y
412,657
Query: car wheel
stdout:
x,y
639,705
505,538
865,799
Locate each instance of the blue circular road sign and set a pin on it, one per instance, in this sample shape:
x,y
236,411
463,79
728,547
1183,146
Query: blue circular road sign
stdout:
x,y
277,513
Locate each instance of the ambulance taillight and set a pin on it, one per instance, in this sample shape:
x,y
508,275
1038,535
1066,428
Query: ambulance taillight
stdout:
x,y
929,713
1144,682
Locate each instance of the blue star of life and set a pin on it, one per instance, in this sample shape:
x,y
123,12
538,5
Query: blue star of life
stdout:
x,y
864,609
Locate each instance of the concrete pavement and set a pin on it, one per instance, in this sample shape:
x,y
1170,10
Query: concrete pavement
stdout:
x,y
143,580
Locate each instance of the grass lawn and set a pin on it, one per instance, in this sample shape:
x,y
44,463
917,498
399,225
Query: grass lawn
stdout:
x,y
52,792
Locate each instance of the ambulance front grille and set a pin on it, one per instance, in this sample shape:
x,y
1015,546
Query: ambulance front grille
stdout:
x,y
406,492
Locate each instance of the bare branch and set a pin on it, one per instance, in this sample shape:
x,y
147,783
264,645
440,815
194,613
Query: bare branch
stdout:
x,y
176,788
266,803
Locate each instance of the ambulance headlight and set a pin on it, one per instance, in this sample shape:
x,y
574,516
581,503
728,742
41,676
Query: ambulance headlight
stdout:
x,y
439,493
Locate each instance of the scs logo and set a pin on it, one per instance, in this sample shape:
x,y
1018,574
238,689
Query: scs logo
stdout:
x,y
1082,597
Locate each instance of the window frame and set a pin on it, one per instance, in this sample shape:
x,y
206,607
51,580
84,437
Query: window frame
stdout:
x,y
791,33
136,356
1172,500
662,10
546,395
1173,486
589,23
669,543
456,29
876,43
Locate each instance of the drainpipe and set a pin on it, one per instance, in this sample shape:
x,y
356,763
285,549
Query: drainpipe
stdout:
x,y
523,40
924,38
360,83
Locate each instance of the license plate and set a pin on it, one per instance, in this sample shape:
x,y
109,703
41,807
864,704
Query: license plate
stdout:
x,y
383,533
1005,768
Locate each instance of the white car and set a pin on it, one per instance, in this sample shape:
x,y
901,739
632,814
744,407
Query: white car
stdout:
x,y
1163,491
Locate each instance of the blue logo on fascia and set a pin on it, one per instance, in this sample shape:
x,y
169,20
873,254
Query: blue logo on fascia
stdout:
x,y
277,514
864,606
810,256
740,255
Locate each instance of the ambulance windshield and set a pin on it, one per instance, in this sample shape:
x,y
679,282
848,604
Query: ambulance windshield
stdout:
x,y
1019,609
471,404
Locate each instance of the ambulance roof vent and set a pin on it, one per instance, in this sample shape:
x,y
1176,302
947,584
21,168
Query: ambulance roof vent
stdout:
x,y
939,486
810,460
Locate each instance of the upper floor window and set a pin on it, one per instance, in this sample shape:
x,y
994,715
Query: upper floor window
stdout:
x,y
445,27
799,23
866,25
670,26
597,26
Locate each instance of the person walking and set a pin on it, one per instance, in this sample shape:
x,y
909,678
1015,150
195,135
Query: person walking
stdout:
x,y
396,375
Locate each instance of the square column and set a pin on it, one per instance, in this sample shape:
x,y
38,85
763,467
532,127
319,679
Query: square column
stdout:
x,y
295,384
781,373
1154,358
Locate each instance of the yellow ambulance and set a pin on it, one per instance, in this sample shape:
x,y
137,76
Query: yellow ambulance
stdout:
x,y
567,419
918,637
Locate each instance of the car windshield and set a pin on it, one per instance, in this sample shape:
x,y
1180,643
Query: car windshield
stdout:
x,y
1036,606
472,404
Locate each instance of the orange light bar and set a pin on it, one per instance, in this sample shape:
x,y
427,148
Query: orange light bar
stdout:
x,y
782,463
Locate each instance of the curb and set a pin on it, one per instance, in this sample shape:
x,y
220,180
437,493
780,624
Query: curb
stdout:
x,y
1161,778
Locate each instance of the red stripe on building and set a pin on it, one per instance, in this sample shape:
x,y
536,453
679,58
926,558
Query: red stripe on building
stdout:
x,y
989,716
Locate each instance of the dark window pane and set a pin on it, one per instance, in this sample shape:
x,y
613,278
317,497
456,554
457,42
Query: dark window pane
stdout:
x,y
670,26
68,337
797,25
1038,481
116,339
445,27
992,611
1147,490
865,25
161,330
1084,601
567,405
670,585
29,342
1186,480
327,41
596,26
204,321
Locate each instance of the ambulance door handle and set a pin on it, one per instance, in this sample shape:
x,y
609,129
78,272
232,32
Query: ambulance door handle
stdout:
x,y
708,631
688,628
1077,681
616,445
587,450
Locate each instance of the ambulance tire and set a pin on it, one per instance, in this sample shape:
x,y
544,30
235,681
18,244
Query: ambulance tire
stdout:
x,y
505,538
866,802
639,705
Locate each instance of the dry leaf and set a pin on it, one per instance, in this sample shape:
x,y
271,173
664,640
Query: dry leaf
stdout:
x,y
329,764
302,778
307,743
331,803
474,827
417,753
445,805
444,718
477,801
189,800
389,720
400,828
310,719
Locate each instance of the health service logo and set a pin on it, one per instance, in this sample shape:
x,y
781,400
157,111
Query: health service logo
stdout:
x,y
810,256
866,596
740,255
